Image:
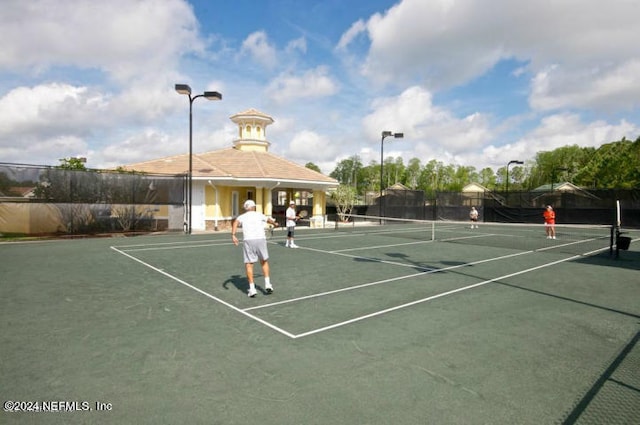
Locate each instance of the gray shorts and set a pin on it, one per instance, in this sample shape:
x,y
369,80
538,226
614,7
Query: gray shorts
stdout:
x,y
254,250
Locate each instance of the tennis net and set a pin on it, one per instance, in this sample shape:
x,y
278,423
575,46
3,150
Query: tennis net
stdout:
x,y
569,238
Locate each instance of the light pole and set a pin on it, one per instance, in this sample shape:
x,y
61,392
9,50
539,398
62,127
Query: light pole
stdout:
x,y
209,95
515,161
385,134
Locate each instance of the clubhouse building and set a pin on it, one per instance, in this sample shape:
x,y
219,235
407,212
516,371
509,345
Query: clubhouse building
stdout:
x,y
223,179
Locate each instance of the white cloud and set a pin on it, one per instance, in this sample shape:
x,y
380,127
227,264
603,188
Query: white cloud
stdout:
x,y
354,30
450,43
44,150
48,109
297,44
313,83
306,141
258,47
119,37
614,87
554,131
149,144
413,113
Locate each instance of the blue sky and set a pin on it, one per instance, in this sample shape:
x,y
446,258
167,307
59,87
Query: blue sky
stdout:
x,y
469,82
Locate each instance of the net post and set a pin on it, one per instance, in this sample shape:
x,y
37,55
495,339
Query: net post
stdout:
x,y
611,230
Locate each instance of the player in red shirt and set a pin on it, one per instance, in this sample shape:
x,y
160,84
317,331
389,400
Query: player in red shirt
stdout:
x,y
550,222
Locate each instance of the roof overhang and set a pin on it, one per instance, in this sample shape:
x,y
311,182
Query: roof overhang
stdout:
x,y
267,183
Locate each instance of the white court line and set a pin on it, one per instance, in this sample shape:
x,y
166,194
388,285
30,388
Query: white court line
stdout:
x,y
206,294
381,246
371,259
161,248
465,288
344,323
393,279
146,245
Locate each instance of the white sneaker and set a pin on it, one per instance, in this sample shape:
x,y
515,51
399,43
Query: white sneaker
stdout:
x,y
286,245
268,288
553,237
293,246
548,237
252,292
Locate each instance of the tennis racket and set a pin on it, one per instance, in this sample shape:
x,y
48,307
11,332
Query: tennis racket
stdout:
x,y
270,228
303,214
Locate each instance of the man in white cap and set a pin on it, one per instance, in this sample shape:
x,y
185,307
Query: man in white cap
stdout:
x,y
291,224
254,243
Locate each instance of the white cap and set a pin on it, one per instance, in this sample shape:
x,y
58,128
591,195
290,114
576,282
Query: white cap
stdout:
x,y
292,203
249,204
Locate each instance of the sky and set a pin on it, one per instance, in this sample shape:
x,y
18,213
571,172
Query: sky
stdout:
x,y
469,82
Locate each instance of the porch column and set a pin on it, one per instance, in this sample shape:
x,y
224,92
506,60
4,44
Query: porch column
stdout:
x,y
259,205
268,204
319,207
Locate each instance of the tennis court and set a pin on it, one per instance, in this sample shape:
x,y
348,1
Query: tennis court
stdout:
x,y
370,323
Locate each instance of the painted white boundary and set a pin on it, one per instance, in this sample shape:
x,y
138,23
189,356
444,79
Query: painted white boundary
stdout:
x,y
425,270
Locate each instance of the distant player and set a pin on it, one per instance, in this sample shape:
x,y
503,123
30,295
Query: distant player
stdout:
x,y
550,222
473,216
292,217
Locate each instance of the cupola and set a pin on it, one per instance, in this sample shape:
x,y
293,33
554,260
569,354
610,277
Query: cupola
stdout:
x,y
252,126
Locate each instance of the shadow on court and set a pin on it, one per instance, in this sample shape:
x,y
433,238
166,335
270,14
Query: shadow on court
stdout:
x,y
81,321
616,393
624,260
239,282
242,284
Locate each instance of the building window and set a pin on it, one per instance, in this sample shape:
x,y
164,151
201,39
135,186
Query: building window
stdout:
x,y
247,131
250,195
306,198
282,197
235,207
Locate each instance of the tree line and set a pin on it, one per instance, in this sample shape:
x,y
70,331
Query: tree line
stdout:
x,y
614,165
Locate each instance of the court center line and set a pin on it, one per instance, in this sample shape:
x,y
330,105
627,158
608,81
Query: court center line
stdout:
x,y
427,271
364,285
465,288
381,246
206,294
162,248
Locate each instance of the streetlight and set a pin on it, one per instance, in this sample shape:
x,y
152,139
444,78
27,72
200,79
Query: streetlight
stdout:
x,y
209,95
515,161
385,134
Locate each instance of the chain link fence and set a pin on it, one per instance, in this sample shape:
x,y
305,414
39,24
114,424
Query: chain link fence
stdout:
x,y
51,200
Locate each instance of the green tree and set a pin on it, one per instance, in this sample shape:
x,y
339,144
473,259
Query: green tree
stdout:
x,y
393,171
462,176
613,166
72,164
488,178
369,178
412,173
516,177
312,166
346,172
344,197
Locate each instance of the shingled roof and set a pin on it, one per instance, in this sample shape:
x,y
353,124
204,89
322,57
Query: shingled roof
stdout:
x,y
234,164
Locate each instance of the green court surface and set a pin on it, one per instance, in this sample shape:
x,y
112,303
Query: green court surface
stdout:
x,y
361,329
